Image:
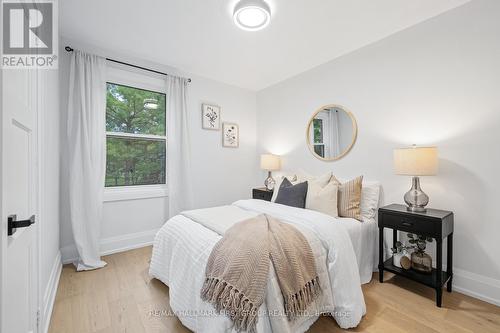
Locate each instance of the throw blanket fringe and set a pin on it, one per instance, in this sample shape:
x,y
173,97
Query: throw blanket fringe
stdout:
x,y
226,298
296,304
238,268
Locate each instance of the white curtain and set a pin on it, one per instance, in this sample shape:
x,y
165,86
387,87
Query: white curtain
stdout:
x,y
180,195
335,133
86,134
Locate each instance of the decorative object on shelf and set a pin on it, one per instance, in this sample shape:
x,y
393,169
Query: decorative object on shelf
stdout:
x,y
270,162
401,255
420,261
331,132
230,135
405,262
416,161
210,115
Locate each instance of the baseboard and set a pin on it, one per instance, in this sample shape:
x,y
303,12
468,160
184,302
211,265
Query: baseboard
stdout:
x,y
477,286
49,295
114,244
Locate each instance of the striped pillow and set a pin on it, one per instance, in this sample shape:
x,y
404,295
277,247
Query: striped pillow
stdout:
x,y
349,198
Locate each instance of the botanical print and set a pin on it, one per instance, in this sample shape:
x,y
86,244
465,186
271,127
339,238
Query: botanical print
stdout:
x,y
211,117
230,134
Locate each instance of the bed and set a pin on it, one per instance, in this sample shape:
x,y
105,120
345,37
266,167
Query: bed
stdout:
x,y
364,241
343,248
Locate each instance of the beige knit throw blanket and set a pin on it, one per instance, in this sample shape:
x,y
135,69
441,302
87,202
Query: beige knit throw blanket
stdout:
x,y
238,268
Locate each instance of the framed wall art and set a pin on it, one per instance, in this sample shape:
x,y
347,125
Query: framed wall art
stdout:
x,y
210,117
230,135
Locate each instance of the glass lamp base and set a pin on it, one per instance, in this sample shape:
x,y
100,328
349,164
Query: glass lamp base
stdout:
x,y
415,198
269,182
416,209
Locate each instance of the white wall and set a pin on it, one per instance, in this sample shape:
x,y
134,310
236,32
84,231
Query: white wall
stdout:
x,y
436,83
220,175
223,175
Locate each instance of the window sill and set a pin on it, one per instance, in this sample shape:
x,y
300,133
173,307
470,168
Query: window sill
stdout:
x,y
134,192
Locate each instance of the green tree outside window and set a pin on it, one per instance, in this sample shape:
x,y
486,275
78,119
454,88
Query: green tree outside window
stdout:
x,y
136,136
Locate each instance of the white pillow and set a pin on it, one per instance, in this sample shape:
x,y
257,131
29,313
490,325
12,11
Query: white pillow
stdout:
x,y
370,194
322,198
320,180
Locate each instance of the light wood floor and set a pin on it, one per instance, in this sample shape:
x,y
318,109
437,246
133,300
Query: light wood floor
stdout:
x,y
123,298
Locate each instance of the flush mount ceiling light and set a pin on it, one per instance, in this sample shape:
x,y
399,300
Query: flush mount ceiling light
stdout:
x,y
150,104
252,15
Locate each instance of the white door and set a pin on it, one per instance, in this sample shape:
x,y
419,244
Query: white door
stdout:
x,y
19,164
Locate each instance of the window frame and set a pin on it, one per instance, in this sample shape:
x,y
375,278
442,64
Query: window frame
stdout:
x,y
130,77
322,143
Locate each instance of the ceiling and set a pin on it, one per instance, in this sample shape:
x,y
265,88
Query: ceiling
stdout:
x,y
199,37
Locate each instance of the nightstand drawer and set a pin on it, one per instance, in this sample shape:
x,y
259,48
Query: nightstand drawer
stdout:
x,y
262,194
259,195
409,224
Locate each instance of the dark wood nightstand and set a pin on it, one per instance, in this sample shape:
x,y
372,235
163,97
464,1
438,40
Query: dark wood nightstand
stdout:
x,y
434,223
262,193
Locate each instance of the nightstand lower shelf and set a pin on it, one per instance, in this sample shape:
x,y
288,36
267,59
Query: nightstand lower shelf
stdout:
x,y
426,279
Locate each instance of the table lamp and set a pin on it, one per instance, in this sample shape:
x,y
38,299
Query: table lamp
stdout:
x,y
416,161
270,163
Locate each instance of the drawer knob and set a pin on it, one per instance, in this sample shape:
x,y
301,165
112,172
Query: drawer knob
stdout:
x,y
407,223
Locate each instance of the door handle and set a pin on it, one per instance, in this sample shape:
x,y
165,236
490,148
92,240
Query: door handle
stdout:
x,y
13,223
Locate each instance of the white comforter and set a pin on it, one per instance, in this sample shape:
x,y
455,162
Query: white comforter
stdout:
x,y
183,245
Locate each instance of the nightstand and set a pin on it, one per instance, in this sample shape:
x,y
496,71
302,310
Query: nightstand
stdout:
x,y
262,193
434,223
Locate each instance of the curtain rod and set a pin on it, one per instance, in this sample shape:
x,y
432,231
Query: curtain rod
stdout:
x,y
70,49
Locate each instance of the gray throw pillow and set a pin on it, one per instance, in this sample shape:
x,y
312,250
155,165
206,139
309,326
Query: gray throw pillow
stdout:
x,y
292,195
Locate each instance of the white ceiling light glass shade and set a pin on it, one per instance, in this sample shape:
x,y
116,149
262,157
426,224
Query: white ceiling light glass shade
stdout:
x,y
150,104
252,15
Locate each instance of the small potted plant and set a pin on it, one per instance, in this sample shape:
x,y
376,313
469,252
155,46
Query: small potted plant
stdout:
x,y
420,261
401,255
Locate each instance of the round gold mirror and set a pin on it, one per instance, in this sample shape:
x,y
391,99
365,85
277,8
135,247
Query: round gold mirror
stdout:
x,y
331,132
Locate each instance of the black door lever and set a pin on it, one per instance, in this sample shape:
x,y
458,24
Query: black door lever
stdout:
x,y
13,224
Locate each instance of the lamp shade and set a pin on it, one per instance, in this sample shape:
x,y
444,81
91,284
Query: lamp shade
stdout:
x,y
270,162
416,161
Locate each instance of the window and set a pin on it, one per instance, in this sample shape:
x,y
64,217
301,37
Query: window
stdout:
x,y
135,136
319,145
